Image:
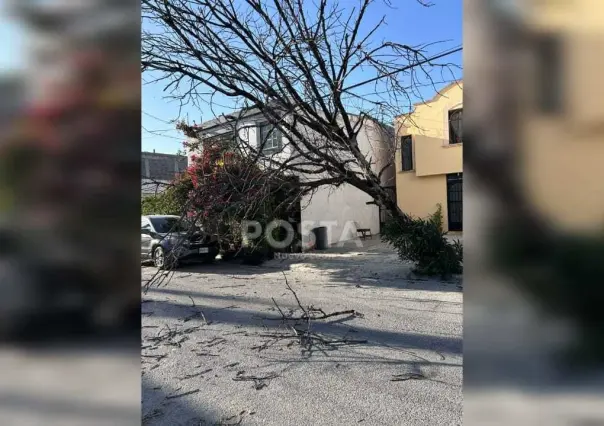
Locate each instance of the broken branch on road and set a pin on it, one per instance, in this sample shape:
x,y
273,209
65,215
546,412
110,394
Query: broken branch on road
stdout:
x,y
183,394
259,381
301,325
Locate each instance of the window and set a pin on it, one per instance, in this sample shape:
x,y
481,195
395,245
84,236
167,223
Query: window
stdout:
x,y
455,126
407,153
167,224
270,137
548,76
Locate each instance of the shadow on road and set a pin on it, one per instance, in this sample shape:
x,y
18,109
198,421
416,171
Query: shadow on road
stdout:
x,y
161,406
240,317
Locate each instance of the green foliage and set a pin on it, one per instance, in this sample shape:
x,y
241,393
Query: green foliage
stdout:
x,y
172,201
423,242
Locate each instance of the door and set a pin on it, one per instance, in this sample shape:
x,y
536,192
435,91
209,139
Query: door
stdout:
x,y
385,215
145,240
455,201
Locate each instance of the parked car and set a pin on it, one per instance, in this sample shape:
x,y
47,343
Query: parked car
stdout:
x,y
168,240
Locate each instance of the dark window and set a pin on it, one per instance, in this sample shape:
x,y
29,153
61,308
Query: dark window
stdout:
x,y
407,153
270,136
455,125
163,225
548,78
455,201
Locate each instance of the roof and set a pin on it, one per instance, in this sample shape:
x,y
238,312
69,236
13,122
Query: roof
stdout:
x,y
227,118
437,96
441,92
160,154
250,112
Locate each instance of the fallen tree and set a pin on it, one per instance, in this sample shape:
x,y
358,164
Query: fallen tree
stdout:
x,y
313,71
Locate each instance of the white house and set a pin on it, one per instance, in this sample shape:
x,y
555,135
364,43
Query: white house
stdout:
x,y
342,210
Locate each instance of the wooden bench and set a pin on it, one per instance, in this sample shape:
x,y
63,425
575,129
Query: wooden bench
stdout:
x,y
364,232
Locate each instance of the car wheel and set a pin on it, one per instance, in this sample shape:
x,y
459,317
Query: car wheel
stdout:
x,y
161,260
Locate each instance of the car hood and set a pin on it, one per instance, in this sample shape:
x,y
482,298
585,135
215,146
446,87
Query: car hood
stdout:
x,y
182,235
172,234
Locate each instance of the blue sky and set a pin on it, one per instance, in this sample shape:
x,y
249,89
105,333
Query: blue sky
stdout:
x,y
408,22
12,58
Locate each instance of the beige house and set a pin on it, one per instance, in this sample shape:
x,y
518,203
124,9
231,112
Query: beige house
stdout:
x,y
562,122
429,161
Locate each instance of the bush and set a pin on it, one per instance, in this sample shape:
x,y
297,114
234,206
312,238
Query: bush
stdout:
x,y
423,242
171,201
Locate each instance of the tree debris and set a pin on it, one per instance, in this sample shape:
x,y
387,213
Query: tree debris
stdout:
x,y
407,376
259,381
183,394
301,326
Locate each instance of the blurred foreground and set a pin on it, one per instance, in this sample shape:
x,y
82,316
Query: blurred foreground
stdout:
x,y
70,127
534,327
69,148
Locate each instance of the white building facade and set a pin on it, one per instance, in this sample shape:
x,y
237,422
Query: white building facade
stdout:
x,y
341,210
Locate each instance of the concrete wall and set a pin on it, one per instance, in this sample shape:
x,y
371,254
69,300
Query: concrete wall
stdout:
x,y
161,166
151,187
420,190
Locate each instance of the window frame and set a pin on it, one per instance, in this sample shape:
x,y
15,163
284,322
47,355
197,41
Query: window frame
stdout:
x,y
549,50
452,132
146,225
407,139
275,137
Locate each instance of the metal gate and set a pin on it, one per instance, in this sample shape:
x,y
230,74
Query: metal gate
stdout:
x,y
455,201
385,214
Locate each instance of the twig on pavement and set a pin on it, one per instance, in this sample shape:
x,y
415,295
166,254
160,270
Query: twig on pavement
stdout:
x,y
182,394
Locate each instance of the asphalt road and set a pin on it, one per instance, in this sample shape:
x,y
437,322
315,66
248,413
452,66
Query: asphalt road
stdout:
x,y
216,350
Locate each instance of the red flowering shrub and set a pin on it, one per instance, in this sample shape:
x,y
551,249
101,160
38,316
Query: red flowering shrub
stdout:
x,y
227,188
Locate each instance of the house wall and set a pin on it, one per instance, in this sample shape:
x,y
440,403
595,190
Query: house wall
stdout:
x,y
420,196
419,191
436,157
344,205
347,206
562,152
378,144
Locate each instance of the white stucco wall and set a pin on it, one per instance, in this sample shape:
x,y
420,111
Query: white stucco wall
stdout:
x,y
341,206
379,146
345,205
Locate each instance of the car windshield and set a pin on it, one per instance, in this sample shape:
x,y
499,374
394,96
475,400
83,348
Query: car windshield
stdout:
x,y
163,225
